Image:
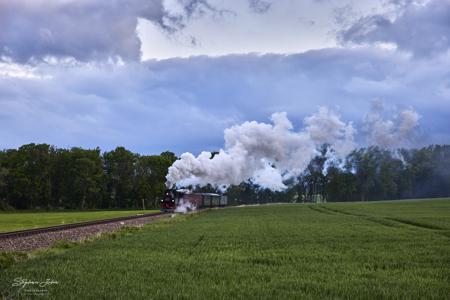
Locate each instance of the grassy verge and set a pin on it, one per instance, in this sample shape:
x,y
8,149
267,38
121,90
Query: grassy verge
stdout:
x,y
10,221
352,251
9,258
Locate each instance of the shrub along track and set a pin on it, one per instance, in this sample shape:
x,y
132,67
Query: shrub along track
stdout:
x,y
32,239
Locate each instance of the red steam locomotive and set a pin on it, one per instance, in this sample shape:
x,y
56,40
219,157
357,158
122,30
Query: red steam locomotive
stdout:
x,y
191,201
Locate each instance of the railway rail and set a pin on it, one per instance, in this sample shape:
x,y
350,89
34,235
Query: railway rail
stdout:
x,y
30,232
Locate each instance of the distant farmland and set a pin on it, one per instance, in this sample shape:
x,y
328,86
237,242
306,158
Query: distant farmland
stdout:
x,y
344,250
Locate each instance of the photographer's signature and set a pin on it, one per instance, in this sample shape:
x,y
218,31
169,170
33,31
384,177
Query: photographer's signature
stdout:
x,y
33,286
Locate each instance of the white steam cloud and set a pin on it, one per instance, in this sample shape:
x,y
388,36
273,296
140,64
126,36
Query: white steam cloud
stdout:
x,y
390,133
185,206
266,154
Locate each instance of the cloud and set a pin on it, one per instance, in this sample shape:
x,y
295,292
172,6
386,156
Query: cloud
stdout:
x,y
55,86
185,104
421,29
260,6
197,7
85,31
119,31
81,30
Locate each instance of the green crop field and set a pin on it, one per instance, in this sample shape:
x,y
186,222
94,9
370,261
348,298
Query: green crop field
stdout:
x,y
392,250
10,221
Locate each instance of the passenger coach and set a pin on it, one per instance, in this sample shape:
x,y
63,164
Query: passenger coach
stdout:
x,y
173,198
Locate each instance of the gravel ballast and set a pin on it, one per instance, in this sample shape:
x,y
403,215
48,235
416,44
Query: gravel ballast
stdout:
x,y
78,234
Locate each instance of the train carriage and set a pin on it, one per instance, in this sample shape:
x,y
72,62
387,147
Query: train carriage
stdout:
x,y
173,198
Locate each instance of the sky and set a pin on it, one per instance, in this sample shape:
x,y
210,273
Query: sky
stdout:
x,y
157,75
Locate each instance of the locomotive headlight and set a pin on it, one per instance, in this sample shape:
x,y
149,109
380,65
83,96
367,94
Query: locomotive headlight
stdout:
x,y
173,200
162,200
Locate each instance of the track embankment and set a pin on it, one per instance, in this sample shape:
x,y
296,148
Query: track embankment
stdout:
x,y
33,239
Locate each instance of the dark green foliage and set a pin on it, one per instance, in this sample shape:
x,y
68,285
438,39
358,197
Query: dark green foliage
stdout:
x,y
45,177
119,169
78,179
42,176
366,174
150,177
377,174
7,259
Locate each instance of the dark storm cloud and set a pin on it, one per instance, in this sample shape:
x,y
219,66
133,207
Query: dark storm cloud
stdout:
x,y
83,30
36,30
420,29
184,104
33,31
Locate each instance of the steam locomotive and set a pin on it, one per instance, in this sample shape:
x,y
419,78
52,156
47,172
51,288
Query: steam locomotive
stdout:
x,y
173,198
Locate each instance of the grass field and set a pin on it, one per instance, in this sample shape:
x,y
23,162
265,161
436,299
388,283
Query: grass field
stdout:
x,y
392,250
10,221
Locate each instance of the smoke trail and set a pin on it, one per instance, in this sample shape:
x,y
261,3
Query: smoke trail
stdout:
x,y
390,133
184,206
266,154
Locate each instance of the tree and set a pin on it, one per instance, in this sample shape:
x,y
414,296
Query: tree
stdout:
x,y
78,179
314,175
120,173
28,177
42,176
87,177
151,174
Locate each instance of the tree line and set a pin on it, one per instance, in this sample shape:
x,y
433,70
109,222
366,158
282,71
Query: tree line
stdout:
x,y
42,176
366,174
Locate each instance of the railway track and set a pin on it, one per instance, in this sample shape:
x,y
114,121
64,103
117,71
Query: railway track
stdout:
x,y
30,232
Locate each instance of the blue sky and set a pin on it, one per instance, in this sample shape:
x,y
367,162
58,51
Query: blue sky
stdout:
x,y
159,75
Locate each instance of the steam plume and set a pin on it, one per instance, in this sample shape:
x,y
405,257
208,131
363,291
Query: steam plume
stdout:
x,y
265,153
184,206
390,133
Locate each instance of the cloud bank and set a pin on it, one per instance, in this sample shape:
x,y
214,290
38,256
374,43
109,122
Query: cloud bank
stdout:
x,y
35,31
185,104
72,74
422,29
